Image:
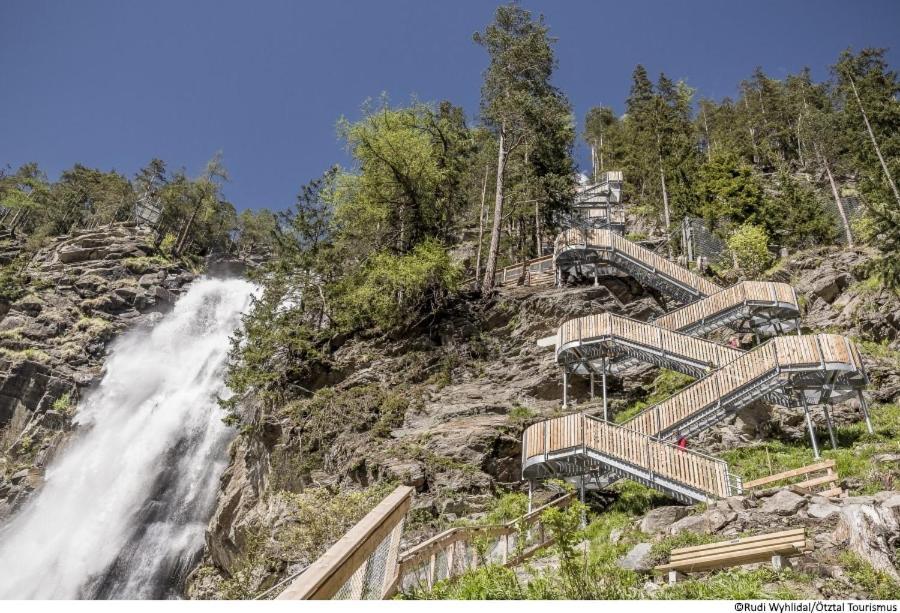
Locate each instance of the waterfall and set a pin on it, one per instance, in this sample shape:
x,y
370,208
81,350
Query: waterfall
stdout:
x,y
125,504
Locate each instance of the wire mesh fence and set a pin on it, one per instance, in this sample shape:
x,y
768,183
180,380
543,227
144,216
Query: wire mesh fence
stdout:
x,y
697,241
372,579
852,209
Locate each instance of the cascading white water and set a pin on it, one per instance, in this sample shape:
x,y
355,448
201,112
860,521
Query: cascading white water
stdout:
x,y
125,504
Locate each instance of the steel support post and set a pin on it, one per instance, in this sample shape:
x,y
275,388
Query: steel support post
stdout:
x,y
809,425
592,384
603,376
865,411
581,498
530,494
565,388
830,426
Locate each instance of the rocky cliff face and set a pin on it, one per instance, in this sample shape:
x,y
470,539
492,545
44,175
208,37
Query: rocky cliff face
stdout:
x,y
79,292
462,391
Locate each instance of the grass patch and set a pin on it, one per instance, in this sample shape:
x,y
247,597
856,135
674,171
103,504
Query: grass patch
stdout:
x,y
145,263
665,384
853,457
735,584
32,354
878,350
876,583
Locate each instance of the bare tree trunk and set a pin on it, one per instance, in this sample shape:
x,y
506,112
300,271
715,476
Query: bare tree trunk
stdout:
x,y
593,164
490,268
884,166
182,240
799,141
662,180
752,132
487,169
706,130
837,197
600,169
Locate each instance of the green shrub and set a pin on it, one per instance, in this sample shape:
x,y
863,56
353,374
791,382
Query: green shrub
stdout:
x,y
750,246
394,290
12,281
63,404
508,507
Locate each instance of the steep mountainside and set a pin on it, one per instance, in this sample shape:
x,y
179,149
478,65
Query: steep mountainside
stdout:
x,y
443,409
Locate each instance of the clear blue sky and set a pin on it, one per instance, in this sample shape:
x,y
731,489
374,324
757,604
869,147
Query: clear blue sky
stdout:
x,y
114,83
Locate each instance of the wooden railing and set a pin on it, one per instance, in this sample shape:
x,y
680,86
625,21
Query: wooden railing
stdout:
x,y
727,299
457,550
607,240
366,562
695,470
599,327
782,354
825,484
362,564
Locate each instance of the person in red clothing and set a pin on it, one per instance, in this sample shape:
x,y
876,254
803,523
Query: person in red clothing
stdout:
x,y
682,441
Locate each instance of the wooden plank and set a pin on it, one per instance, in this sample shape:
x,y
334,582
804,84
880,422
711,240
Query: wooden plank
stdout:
x,y
790,473
747,556
805,485
747,539
735,545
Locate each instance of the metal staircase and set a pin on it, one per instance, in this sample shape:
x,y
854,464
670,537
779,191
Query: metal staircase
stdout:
x,y
786,370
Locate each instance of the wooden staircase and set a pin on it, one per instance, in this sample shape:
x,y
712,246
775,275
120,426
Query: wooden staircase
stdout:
x,y
784,370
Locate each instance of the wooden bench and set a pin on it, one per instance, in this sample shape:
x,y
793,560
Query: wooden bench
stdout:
x,y
810,483
774,546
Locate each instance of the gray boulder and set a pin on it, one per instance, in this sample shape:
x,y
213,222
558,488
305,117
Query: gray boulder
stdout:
x,y
661,518
785,502
638,559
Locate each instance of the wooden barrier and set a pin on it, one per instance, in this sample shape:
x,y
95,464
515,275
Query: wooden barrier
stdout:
x,y
773,546
810,483
344,566
454,551
607,240
687,467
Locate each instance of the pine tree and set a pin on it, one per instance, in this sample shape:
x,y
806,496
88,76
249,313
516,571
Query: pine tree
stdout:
x,y
530,117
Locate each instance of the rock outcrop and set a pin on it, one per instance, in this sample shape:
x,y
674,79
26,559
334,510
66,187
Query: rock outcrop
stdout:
x,y
81,291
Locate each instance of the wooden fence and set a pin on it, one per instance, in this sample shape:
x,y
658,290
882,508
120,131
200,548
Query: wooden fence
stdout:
x,y
811,482
457,550
366,562
362,564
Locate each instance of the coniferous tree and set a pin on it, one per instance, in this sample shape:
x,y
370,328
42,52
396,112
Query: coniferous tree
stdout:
x,y
529,116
